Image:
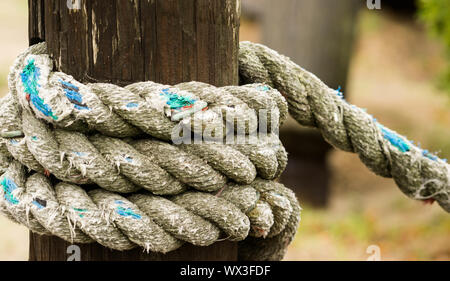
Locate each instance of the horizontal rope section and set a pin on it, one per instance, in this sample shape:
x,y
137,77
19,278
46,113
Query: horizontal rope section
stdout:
x,y
153,222
419,174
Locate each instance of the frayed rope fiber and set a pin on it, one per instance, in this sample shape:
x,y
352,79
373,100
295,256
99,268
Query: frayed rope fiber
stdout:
x,y
99,162
419,174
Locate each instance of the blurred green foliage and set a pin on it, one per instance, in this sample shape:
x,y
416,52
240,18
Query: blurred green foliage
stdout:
x,y
436,15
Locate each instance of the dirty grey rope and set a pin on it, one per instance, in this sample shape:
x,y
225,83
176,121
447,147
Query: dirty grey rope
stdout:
x,y
95,134
419,174
54,125
74,109
155,223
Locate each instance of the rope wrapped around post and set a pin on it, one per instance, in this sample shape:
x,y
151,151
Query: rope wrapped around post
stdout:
x,y
156,165
93,162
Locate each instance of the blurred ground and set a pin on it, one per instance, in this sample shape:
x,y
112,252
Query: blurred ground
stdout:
x,y
392,75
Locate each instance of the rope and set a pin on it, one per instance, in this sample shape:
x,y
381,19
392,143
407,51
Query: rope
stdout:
x,y
153,194
77,161
97,158
419,174
155,223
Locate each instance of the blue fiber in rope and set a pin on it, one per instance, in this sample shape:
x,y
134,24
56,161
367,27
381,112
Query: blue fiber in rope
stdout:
x,y
30,77
402,145
176,101
394,139
339,93
128,212
73,95
427,154
80,212
37,204
263,88
81,107
8,187
132,105
69,85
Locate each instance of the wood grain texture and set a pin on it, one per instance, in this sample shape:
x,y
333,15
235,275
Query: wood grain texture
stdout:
x,y
50,248
126,41
36,21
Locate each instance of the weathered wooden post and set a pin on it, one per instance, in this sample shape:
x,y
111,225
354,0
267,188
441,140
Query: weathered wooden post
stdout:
x,y
126,41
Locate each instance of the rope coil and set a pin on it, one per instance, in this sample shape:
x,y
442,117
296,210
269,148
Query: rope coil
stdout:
x,y
169,194
76,160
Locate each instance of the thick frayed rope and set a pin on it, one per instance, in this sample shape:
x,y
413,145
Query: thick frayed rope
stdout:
x,y
75,109
155,223
94,134
418,173
54,125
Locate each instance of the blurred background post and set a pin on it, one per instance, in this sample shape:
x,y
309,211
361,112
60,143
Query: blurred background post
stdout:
x,y
318,35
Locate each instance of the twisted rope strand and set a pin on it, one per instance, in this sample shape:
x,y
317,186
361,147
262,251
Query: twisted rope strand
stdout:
x,y
70,156
152,222
419,174
73,157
